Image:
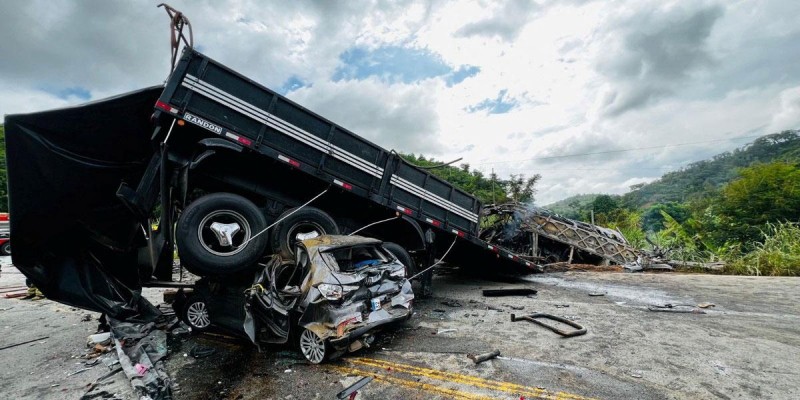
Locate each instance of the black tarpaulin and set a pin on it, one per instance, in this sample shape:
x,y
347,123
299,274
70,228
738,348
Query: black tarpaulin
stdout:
x,y
72,237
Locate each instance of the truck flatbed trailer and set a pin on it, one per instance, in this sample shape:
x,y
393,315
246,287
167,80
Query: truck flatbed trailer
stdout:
x,y
213,97
214,158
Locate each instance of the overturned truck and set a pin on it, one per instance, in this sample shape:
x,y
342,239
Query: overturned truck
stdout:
x,y
225,169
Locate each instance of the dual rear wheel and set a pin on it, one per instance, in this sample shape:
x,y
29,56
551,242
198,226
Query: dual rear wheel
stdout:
x,y
223,233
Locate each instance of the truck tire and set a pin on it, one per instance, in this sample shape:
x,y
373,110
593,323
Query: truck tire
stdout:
x,y
5,249
402,255
306,220
202,240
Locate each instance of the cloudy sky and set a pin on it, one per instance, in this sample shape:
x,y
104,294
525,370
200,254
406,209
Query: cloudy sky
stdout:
x,y
635,88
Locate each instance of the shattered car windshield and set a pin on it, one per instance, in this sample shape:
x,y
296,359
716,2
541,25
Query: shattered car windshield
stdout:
x,y
352,259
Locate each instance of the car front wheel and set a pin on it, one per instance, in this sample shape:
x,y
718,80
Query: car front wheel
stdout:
x,y
313,347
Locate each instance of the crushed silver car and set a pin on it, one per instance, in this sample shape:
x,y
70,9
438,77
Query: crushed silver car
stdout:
x,y
335,296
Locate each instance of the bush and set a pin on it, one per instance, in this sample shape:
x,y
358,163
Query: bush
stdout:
x,y
778,255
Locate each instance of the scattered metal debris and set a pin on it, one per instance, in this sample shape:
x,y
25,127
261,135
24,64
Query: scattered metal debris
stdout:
x,y
580,330
676,308
509,292
78,371
452,303
706,305
26,342
441,331
350,391
597,294
477,359
199,351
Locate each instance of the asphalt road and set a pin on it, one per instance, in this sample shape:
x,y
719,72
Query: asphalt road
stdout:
x,y
746,346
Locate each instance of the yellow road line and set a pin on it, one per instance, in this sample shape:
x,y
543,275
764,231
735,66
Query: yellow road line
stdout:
x,y
507,387
450,393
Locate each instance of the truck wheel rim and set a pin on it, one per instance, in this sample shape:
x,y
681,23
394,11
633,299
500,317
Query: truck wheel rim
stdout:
x,y
304,227
210,242
197,314
312,346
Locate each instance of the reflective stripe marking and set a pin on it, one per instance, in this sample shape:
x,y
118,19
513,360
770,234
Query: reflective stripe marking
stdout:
x,y
290,130
433,222
280,125
432,198
288,160
343,184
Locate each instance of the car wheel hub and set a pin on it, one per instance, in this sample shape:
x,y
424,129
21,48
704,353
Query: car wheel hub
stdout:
x,y
312,346
197,315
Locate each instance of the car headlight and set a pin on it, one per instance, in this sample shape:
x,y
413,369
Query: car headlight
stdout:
x,y
334,292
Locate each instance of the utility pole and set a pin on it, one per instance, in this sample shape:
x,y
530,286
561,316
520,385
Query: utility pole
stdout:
x,y
494,201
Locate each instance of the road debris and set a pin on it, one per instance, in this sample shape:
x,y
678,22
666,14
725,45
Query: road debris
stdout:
x,y
93,385
102,339
477,359
706,305
78,371
560,305
351,391
199,351
676,308
453,303
597,294
533,318
509,292
25,342
441,331
141,348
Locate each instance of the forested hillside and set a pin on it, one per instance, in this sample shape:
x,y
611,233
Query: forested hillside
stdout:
x,y
701,177
571,206
742,207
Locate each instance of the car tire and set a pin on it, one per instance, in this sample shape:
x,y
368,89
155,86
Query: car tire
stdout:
x,y
402,255
305,220
313,348
5,249
200,247
194,313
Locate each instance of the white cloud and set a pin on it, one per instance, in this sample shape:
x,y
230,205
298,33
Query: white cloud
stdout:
x,y
586,76
788,115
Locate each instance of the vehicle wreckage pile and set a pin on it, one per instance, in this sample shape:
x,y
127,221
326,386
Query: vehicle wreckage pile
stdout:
x,y
549,239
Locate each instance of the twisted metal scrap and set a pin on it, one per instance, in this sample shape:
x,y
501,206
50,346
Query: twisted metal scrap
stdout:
x,y
516,220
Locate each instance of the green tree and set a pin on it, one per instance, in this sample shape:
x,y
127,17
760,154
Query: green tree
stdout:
x,y
653,218
521,190
604,204
763,193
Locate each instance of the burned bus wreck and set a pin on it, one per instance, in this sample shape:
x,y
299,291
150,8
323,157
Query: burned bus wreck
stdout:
x,y
544,237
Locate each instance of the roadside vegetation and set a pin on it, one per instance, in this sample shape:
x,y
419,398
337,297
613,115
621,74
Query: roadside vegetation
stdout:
x,y
740,207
